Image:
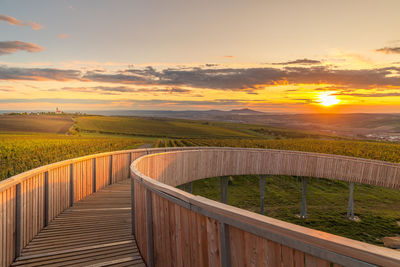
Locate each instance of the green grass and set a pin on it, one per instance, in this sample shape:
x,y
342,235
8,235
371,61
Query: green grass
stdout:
x,y
378,208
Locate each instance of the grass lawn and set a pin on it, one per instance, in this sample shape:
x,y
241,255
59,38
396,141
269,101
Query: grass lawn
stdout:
x,y
378,208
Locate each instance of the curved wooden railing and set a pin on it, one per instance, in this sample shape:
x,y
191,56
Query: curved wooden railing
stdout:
x,y
175,228
30,200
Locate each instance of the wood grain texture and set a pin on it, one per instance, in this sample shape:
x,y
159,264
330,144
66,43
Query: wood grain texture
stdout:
x,y
184,236
164,171
95,231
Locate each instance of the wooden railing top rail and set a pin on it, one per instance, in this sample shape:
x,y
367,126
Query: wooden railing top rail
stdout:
x,y
7,183
321,244
25,175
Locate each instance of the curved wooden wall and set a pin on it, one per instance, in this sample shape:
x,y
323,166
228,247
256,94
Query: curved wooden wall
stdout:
x,y
32,199
175,228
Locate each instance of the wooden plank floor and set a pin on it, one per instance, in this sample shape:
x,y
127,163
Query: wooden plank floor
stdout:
x,y
94,232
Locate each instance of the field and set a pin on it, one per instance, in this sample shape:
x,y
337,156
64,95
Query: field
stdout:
x,y
22,152
36,123
378,208
363,149
175,128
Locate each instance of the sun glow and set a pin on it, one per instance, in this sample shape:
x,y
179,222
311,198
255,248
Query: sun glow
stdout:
x,y
327,99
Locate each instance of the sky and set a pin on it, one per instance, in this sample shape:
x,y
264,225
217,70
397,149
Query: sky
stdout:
x,y
284,56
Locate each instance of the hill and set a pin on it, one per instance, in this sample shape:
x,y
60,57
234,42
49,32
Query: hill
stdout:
x,y
180,128
36,123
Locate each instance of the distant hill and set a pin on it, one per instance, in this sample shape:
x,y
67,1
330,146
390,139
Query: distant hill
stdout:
x,y
356,125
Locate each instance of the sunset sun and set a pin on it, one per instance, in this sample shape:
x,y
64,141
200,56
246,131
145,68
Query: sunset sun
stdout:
x,y
327,99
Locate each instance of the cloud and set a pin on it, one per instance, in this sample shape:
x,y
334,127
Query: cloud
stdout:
x,y
6,89
222,78
389,50
228,56
14,21
249,80
394,94
55,100
63,36
36,74
10,47
303,61
124,89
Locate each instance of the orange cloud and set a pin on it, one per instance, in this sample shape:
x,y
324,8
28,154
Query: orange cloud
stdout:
x,y
14,21
63,36
14,46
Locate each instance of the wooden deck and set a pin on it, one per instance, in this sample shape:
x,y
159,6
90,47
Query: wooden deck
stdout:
x,y
96,231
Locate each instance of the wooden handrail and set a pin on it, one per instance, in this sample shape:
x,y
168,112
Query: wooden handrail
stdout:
x,y
30,200
261,238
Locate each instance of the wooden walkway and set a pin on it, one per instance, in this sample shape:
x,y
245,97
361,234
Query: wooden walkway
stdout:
x,y
95,232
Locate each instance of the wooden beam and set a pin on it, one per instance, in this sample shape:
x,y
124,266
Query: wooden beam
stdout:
x,y
149,229
18,219
71,185
111,170
133,205
94,175
262,181
224,245
223,182
190,188
350,206
46,198
303,211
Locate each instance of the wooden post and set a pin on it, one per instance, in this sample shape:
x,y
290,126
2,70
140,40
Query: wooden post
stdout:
x,y
262,179
133,205
18,218
111,169
132,194
129,165
303,212
94,175
71,184
190,188
223,182
149,228
224,245
46,198
350,206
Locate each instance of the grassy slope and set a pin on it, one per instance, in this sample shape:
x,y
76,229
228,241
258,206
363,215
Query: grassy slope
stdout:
x,y
377,207
157,127
174,128
36,123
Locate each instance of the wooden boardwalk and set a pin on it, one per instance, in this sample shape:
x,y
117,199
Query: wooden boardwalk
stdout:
x,y
96,231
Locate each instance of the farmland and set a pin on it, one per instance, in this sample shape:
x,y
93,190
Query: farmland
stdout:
x,y
178,128
377,207
36,123
22,152
363,149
